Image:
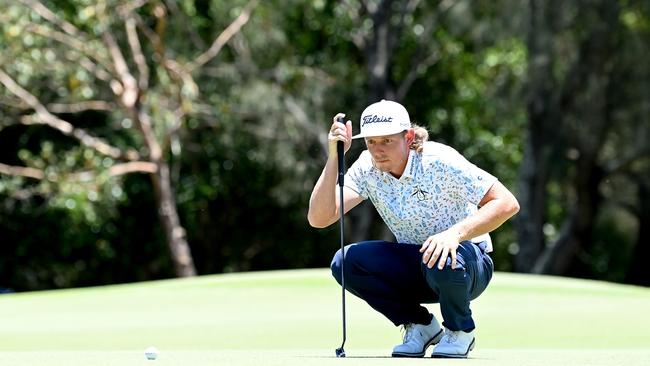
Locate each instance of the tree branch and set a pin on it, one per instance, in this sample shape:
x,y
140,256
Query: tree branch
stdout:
x,y
91,67
128,8
136,51
83,176
132,167
303,122
87,105
78,45
71,36
21,171
129,92
143,121
223,38
48,15
151,35
421,63
546,261
63,126
417,70
116,170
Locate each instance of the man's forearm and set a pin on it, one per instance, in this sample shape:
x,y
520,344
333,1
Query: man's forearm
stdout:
x,y
322,203
488,218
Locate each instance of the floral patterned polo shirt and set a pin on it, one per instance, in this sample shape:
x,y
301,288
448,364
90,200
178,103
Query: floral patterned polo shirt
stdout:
x,y
439,188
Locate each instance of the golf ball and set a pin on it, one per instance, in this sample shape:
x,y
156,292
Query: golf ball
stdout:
x,y
151,353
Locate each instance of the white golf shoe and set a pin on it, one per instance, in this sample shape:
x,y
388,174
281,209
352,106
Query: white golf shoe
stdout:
x,y
417,338
454,344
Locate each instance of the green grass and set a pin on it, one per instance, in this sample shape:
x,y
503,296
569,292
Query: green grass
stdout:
x,y
294,318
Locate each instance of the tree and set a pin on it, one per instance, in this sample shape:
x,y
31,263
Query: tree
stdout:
x,y
146,94
582,102
428,56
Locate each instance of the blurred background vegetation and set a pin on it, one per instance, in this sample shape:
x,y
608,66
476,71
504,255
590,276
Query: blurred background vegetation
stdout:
x,y
150,139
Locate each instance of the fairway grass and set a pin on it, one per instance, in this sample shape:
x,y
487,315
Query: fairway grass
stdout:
x,y
489,357
294,318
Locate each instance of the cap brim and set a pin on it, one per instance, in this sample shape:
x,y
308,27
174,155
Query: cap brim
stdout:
x,y
387,133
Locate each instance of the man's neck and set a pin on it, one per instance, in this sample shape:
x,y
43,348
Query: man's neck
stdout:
x,y
400,171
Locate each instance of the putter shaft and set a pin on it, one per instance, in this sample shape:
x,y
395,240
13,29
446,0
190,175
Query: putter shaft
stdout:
x,y
341,170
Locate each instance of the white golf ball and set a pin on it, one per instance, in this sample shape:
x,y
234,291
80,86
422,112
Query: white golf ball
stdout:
x,y
151,353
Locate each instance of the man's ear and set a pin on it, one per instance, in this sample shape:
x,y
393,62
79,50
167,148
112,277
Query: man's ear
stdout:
x,y
410,135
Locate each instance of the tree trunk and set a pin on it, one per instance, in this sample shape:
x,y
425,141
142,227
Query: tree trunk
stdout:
x,y
576,233
174,232
379,51
533,177
639,271
586,98
542,113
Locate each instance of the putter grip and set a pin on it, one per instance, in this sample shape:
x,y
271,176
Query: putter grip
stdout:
x,y
339,150
341,157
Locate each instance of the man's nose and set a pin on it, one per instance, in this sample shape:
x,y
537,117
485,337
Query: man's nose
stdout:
x,y
379,149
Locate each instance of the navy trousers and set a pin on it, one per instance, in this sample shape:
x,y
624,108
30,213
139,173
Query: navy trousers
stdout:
x,y
392,279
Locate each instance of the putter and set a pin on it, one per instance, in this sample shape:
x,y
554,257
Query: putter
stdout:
x,y
340,352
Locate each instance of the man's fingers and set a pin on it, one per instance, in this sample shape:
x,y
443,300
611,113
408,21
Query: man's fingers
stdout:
x,y
429,248
339,132
443,258
434,256
425,245
338,137
453,259
427,255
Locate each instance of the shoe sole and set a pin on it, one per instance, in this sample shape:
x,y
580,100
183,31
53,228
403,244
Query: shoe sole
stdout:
x,y
447,355
434,340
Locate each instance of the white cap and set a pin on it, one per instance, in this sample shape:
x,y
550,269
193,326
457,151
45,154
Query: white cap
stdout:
x,y
382,119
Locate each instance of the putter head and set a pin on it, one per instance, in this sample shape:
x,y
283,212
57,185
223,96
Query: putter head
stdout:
x,y
340,352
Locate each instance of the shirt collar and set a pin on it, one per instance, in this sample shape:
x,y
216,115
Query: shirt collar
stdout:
x,y
409,170
411,165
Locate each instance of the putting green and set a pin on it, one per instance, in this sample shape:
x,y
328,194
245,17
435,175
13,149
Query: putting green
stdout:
x,y
294,318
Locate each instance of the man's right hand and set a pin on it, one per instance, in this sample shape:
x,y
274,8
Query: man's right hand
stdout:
x,y
339,132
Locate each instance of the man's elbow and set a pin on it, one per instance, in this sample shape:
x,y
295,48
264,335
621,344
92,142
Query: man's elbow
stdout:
x,y
513,206
317,222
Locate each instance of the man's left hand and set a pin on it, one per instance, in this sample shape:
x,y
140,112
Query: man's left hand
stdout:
x,y
440,246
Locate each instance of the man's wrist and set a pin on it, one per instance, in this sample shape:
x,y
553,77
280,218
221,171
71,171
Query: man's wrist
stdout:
x,y
459,233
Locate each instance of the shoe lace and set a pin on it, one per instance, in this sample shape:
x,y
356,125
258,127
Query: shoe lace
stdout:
x,y
450,337
407,332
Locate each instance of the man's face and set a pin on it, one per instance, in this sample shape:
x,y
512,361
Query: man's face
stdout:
x,y
390,153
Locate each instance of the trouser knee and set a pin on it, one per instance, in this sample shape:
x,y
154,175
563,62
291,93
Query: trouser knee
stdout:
x,y
353,262
336,265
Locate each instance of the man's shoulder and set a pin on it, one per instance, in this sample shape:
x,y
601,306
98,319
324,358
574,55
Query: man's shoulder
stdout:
x,y
436,151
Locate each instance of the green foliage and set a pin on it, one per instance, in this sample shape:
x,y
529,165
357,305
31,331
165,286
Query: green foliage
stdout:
x,y
247,164
249,146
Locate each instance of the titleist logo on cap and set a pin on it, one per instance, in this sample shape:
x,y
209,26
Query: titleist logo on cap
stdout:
x,y
373,118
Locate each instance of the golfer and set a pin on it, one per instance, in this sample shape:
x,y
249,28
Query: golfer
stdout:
x,y
439,206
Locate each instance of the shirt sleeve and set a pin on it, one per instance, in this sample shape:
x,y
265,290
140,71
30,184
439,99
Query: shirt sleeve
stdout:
x,y
355,177
470,181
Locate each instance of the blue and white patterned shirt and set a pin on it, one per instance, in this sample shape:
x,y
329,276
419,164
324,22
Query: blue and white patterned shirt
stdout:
x,y
439,188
